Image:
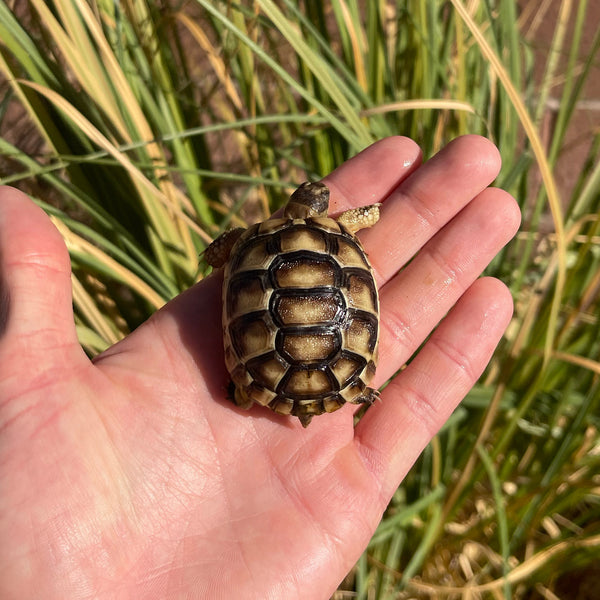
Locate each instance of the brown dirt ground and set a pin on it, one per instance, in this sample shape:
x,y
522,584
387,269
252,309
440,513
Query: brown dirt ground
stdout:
x,y
586,119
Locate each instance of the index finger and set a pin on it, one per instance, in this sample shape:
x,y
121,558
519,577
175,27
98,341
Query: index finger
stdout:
x,y
373,174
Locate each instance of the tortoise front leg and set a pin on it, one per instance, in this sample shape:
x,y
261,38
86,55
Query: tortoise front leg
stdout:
x,y
217,253
360,218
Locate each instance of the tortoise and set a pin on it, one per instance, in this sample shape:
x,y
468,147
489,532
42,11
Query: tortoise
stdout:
x,y
300,308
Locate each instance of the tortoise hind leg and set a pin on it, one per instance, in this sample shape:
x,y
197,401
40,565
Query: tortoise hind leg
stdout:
x,y
239,398
365,401
368,397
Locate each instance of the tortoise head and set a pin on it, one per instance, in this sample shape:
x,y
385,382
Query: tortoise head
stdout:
x,y
309,200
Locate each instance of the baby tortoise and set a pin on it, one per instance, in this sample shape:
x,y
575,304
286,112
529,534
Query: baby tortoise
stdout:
x,y
300,308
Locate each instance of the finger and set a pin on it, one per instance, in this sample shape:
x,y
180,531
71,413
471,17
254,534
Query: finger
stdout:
x,y
35,278
371,175
415,404
414,301
423,203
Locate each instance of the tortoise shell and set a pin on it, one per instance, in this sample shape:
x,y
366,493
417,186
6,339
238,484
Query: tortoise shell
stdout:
x,y
301,310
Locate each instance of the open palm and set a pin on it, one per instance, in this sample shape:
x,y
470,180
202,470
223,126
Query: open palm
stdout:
x,y
131,476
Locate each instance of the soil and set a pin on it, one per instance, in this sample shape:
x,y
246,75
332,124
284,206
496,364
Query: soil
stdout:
x,y
586,118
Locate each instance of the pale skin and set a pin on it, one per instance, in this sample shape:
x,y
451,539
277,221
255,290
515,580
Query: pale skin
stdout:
x,y
131,476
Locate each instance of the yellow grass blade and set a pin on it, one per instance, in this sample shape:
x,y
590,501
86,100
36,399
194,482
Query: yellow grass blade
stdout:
x,y
179,236
97,69
520,573
542,161
76,243
81,59
580,361
419,105
89,310
358,44
98,138
214,57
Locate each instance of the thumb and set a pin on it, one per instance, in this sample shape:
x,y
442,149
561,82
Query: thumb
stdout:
x,y
36,313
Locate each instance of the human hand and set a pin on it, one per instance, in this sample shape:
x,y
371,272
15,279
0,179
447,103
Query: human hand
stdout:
x,y
131,476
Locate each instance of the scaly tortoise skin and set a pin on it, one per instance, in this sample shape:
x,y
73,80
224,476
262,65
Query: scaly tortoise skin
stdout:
x,y
300,308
